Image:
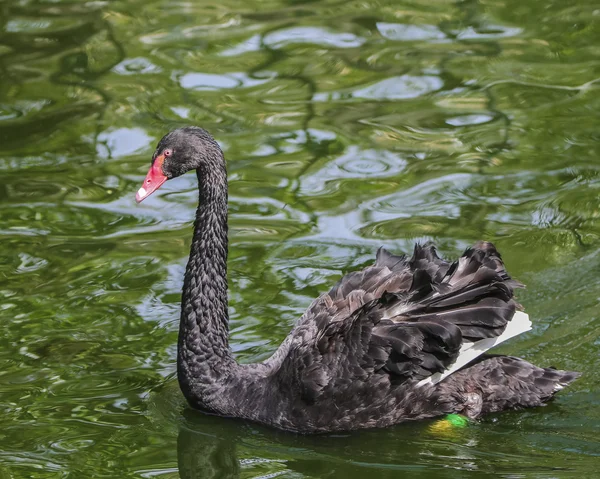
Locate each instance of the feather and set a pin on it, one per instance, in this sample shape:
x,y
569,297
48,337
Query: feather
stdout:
x,y
469,351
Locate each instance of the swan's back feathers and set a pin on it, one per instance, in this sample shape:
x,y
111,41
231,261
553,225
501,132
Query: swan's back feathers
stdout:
x,y
401,319
475,293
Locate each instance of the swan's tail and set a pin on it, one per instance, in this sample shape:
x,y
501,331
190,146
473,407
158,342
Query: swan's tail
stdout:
x,y
507,382
497,383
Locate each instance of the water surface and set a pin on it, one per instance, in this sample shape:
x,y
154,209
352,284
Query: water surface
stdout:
x,y
346,126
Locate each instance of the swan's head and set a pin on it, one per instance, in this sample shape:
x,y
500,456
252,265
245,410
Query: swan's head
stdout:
x,y
178,152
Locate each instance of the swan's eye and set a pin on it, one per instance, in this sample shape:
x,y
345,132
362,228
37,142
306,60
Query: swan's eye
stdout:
x,y
168,152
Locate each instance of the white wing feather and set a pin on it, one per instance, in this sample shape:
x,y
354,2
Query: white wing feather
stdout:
x,y
519,324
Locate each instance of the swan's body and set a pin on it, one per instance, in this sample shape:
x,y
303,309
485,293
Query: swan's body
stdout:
x,y
383,346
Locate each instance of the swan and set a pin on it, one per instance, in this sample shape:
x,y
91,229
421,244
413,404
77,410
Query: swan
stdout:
x,y
403,339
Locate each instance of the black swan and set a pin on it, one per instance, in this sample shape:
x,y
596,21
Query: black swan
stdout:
x,y
400,340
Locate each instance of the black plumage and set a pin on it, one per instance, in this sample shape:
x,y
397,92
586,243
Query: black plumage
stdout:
x,y
357,355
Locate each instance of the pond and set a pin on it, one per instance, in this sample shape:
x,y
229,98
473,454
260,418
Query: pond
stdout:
x,y
346,126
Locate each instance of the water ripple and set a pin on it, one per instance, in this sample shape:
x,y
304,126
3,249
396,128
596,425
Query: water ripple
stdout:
x,y
346,126
320,36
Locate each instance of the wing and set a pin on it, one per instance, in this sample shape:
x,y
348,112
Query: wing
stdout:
x,y
400,319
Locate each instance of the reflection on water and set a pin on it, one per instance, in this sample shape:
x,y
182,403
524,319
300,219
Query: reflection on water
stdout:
x,y
206,456
346,126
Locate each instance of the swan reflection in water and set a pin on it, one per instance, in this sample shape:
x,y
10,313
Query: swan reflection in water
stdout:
x,y
211,447
205,455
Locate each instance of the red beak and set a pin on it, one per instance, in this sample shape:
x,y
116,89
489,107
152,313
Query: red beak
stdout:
x,y
154,179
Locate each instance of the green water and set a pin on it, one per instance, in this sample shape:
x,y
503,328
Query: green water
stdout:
x,y
346,125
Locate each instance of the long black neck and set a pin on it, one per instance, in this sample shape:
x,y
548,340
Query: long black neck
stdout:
x,y
204,357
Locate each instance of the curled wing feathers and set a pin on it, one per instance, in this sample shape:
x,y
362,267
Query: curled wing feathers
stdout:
x,y
400,319
475,294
